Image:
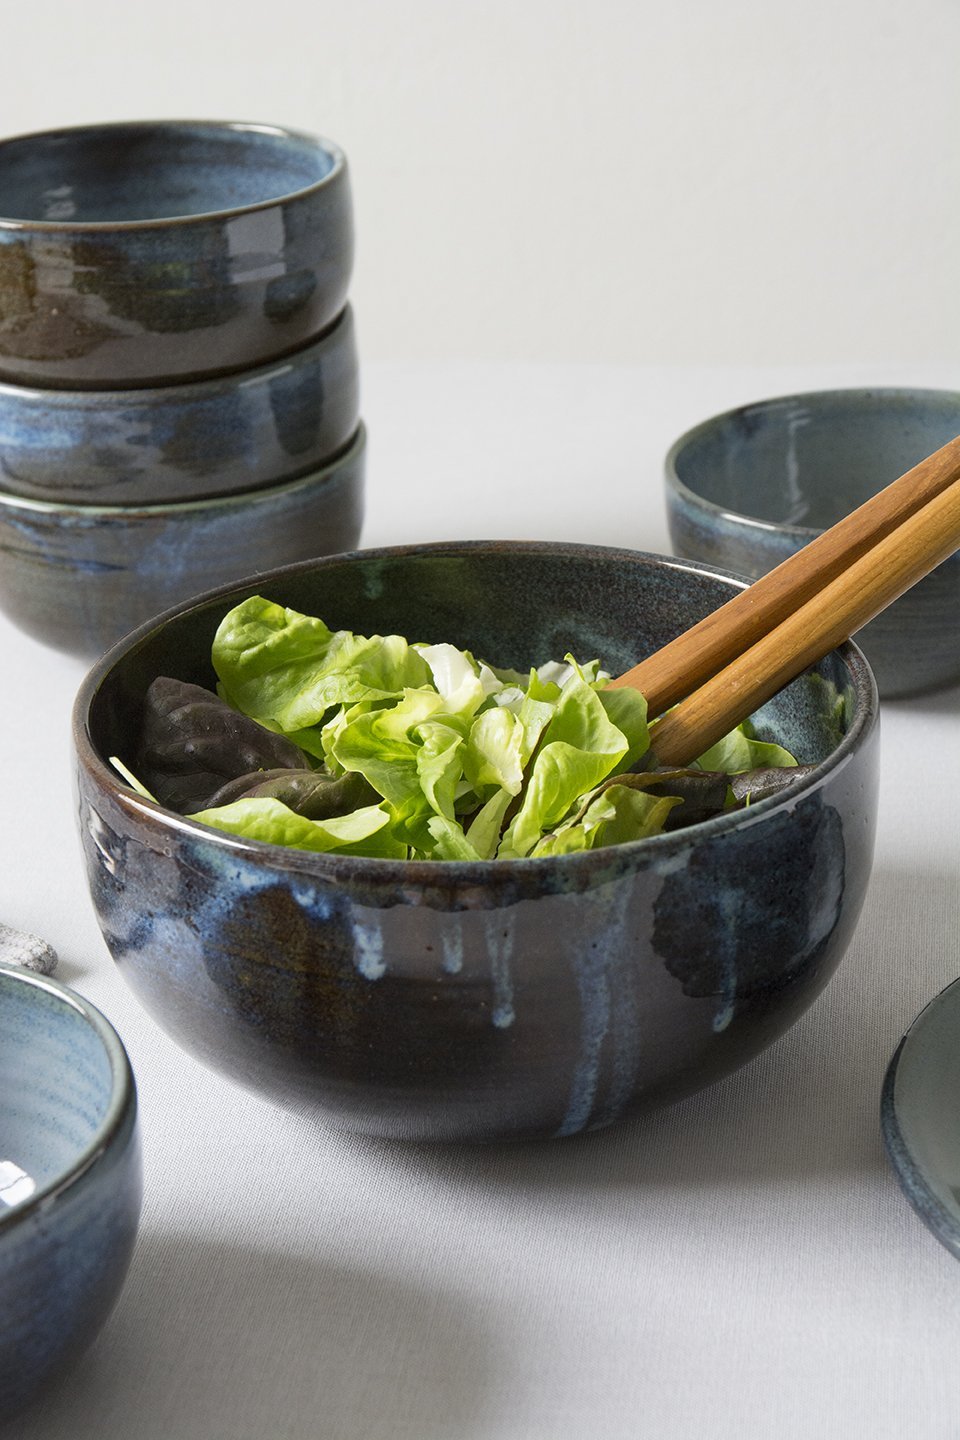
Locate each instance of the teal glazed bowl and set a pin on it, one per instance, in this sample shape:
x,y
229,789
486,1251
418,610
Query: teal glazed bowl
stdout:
x,y
141,253
749,488
70,1179
484,1000
184,442
78,577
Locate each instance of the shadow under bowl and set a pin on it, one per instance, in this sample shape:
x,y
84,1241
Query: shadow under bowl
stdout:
x,y
184,442
70,1178
466,1001
78,577
149,251
748,488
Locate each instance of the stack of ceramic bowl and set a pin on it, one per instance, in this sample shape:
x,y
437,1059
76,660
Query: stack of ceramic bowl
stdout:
x,y
178,368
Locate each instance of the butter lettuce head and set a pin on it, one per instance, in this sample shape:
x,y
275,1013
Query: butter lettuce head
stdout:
x,y
454,758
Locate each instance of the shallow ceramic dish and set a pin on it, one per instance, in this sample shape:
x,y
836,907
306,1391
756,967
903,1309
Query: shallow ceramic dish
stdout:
x,y
920,1116
79,576
748,488
483,1000
69,1178
142,252
183,442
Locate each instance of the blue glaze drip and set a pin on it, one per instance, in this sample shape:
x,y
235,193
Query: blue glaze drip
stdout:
x,y
453,951
500,945
368,952
729,903
372,580
601,971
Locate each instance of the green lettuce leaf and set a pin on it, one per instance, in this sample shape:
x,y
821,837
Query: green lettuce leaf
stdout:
x,y
279,666
618,814
362,832
581,747
739,751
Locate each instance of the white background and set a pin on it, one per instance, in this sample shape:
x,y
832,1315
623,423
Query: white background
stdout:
x,y
628,180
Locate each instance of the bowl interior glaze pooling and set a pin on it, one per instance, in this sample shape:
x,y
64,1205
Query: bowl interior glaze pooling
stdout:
x,y
808,460
117,174
58,1080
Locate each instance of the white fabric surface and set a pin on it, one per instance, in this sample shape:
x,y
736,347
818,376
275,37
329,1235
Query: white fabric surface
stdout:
x,y
743,1265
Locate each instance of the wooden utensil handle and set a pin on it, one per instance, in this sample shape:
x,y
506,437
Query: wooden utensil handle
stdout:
x,y
677,669
872,582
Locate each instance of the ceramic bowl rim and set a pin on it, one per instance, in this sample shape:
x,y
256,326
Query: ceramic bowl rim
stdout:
x,y
923,1200
123,1096
484,874
334,335
284,132
173,509
754,522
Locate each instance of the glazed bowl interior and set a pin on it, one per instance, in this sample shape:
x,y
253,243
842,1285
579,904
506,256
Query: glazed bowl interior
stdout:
x,y
70,1178
63,1078
808,460
128,173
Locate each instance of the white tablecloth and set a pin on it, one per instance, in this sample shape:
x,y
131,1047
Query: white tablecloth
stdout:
x,y
743,1265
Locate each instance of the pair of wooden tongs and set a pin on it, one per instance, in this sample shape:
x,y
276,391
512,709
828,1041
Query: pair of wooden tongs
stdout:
x,y
718,672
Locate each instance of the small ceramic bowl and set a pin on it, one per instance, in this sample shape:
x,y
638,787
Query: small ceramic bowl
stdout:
x,y
79,576
144,252
183,442
919,1112
69,1178
486,1000
748,488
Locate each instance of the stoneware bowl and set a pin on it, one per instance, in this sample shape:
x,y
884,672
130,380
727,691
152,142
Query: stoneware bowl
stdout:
x,y
160,250
69,1178
920,1116
183,442
79,576
488,1000
750,487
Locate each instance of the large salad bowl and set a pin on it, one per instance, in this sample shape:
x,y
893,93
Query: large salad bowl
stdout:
x,y
483,1000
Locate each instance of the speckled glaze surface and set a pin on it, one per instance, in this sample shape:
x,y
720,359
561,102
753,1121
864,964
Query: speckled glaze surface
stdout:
x,y
137,253
79,576
68,1122
184,442
920,1116
496,1000
749,488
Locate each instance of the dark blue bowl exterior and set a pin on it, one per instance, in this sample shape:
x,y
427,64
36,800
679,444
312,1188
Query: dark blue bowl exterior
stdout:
x,y
80,577
184,442
158,290
728,504
479,1002
63,1261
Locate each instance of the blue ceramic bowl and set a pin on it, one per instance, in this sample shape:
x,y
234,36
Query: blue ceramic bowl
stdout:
x,y
748,488
144,252
183,442
483,1000
79,576
920,1116
69,1178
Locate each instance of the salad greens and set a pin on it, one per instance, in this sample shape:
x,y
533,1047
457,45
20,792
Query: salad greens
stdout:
x,y
370,745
